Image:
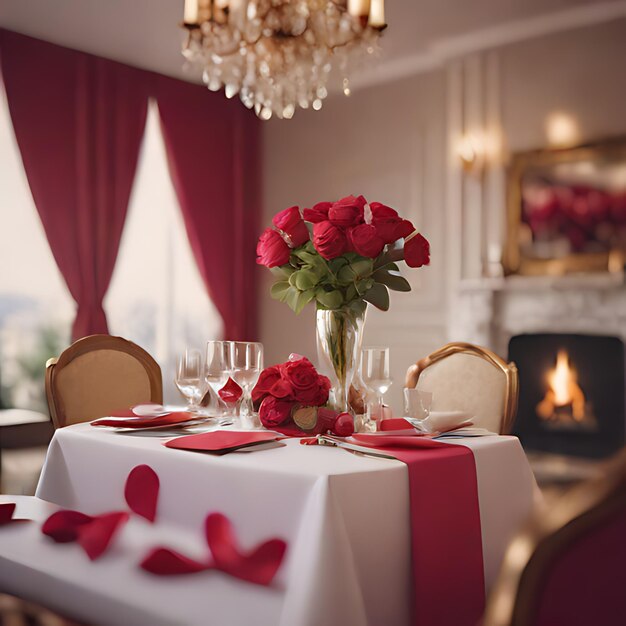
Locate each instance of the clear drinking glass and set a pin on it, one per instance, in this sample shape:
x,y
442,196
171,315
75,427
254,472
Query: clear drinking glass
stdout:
x,y
246,363
375,374
190,378
417,403
217,369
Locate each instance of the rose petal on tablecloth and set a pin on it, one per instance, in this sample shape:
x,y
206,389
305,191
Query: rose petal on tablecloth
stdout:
x,y
63,526
259,566
96,536
167,562
142,491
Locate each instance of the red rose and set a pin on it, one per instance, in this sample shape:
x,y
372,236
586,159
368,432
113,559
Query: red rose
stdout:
x,y
269,376
329,240
291,223
319,213
308,386
386,220
344,425
404,229
347,211
417,251
271,250
364,240
274,412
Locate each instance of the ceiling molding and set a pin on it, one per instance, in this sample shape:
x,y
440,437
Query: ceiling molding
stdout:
x,y
505,34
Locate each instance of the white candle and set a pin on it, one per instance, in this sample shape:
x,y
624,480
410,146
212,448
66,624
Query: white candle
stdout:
x,y
191,12
358,7
377,13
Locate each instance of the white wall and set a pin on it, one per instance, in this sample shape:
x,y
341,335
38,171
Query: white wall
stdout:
x,y
395,143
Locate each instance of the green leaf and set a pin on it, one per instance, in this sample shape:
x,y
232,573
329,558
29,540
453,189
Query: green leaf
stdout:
x,y
362,267
394,280
303,299
282,271
391,255
358,306
363,286
346,275
378,296
279,290
336,264
330,299
351,293
291,298
305,279
389,266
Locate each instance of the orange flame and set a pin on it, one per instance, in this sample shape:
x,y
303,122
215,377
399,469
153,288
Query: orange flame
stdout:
x,y
563,390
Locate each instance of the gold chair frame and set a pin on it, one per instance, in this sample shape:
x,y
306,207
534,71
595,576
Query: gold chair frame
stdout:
x,y
90,344
509,370
547,534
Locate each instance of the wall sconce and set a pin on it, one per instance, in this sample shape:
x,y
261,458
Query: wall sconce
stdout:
x,y
562,130
471,150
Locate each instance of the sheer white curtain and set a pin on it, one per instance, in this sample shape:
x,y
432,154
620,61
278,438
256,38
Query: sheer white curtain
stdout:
x,y
157,297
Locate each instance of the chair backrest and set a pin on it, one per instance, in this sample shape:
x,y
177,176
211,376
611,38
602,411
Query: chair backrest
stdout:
x,y
97,375
465,377
568,565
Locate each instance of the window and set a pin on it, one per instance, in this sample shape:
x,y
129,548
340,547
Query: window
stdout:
x,y
156,297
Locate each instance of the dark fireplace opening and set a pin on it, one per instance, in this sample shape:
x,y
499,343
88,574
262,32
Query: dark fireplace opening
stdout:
x,y
572,393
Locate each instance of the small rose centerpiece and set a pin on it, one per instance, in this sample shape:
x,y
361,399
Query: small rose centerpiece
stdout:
x,y
291,399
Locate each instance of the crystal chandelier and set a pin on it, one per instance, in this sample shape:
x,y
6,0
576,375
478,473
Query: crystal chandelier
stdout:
x,y
279,54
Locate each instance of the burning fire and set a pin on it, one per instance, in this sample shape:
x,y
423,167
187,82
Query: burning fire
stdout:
x,y
563,392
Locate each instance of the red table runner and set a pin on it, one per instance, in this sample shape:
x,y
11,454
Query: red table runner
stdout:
x,y
447,555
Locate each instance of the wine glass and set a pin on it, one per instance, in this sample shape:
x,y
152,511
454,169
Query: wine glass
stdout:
x,y
217,368
246,362
190,378
375,375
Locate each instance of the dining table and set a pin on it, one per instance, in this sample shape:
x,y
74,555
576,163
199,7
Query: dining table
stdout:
x,y
346,519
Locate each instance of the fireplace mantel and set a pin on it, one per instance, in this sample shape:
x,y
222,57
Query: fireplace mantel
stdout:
x,y
492,310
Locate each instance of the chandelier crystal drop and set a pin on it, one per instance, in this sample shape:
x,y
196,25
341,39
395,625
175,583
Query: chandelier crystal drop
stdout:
x,y
279,54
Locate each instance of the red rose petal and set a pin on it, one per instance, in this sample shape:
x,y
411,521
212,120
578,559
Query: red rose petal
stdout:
x,y
96,536
166,562
63,526
142,491
259,566
6,512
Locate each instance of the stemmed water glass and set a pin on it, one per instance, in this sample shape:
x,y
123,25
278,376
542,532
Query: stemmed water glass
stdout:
x,y
190,378
217,369
246,363
375,375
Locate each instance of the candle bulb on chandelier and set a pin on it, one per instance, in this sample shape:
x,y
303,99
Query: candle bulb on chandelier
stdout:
x,y
377,13
359,8
190,15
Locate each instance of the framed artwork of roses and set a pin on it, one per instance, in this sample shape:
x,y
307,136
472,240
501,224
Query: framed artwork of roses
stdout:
x,y
567,210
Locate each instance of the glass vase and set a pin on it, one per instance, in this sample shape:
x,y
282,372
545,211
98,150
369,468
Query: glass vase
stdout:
x,y
339,335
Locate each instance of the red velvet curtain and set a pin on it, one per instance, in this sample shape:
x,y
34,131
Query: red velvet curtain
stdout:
x,y
212,147
78,121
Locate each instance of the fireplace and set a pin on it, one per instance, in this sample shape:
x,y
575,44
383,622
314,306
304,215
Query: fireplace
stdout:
x,y
572,393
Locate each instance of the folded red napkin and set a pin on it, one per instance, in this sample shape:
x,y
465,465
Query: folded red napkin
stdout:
x,y
7,509
127,419
395,423
221,441
230,392
394,440
259,566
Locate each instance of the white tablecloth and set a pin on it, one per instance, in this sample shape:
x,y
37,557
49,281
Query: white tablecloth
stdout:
x,y
345,519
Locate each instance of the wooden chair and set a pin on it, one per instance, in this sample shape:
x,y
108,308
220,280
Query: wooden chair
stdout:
x,y
465,377
97,375
568,565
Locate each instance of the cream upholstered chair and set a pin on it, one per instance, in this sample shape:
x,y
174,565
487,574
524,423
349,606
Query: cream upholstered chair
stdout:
x,y
567,566
465,377
97,375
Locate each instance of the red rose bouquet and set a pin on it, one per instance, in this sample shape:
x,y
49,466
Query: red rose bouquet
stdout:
x,y
340,254
291,398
